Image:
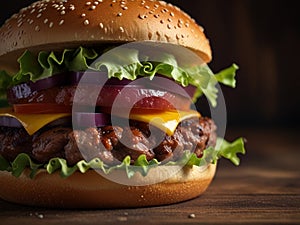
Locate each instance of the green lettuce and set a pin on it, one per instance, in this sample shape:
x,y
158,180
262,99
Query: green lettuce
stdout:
x,y
142,165
122,63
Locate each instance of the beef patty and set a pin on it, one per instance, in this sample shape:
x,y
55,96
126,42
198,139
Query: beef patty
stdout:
x,y
109,143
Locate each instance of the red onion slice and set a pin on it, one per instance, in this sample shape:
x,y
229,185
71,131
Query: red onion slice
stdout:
x,y
25,90
86,119
7,121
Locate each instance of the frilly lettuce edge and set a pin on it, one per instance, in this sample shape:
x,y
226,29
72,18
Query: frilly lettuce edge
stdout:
x,y
122,63
141,165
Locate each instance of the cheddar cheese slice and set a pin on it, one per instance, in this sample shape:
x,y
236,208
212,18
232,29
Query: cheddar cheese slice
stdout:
x,y
32,122
167,121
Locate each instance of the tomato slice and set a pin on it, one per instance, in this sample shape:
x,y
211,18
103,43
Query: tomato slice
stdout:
x,y
41,108
60,98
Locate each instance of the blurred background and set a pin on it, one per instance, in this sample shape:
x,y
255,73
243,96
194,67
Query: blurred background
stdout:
x,y
262,37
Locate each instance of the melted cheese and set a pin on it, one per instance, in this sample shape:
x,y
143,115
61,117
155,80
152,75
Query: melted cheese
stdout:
x,y
32,122
166,121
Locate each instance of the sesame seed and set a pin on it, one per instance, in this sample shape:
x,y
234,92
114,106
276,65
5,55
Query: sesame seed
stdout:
x,y
83,15
96,3
100,1
31,22
93,7
119,14
161,21
162,3
192,216
169,19
46,21
101,25
171,14
142,16
37,28
40,216
50,24
122,29
147,7
32,11
72,7
61,22
169,26
20,24
63,12
187,24
156,15
164,10
86,22
15,16
88,3
39,15
156,6
124,7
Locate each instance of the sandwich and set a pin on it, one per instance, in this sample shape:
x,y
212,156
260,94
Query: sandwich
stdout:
x,y
100,105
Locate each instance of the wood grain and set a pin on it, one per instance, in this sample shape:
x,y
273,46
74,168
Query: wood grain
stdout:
x,y
263,190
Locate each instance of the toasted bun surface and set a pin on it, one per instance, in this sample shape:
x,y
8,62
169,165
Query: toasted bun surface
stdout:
x,y
57,24
91,190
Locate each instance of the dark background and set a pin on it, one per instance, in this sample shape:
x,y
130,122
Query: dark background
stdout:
x,y
262,37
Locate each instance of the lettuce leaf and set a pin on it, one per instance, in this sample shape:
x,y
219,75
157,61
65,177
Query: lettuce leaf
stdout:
x,y
142,165
230,150
46,64
122,63
227,76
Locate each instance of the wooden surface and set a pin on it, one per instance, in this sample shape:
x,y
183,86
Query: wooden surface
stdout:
x,y
265,189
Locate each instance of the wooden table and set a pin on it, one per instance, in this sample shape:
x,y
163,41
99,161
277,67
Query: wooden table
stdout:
x,y
265,189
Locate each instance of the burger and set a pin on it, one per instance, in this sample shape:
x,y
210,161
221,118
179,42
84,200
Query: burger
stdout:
x,y
99,105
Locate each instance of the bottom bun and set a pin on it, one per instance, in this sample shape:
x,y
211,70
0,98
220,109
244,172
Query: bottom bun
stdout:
x,y
91,190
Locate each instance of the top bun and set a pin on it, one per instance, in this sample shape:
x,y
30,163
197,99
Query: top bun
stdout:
x,y
59,24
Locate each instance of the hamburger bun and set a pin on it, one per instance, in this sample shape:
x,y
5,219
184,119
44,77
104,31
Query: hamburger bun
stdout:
x,y
54,26
91,190
57,25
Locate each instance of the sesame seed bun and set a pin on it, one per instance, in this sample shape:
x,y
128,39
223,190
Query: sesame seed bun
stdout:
x,y
60,24
54,25
91,190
